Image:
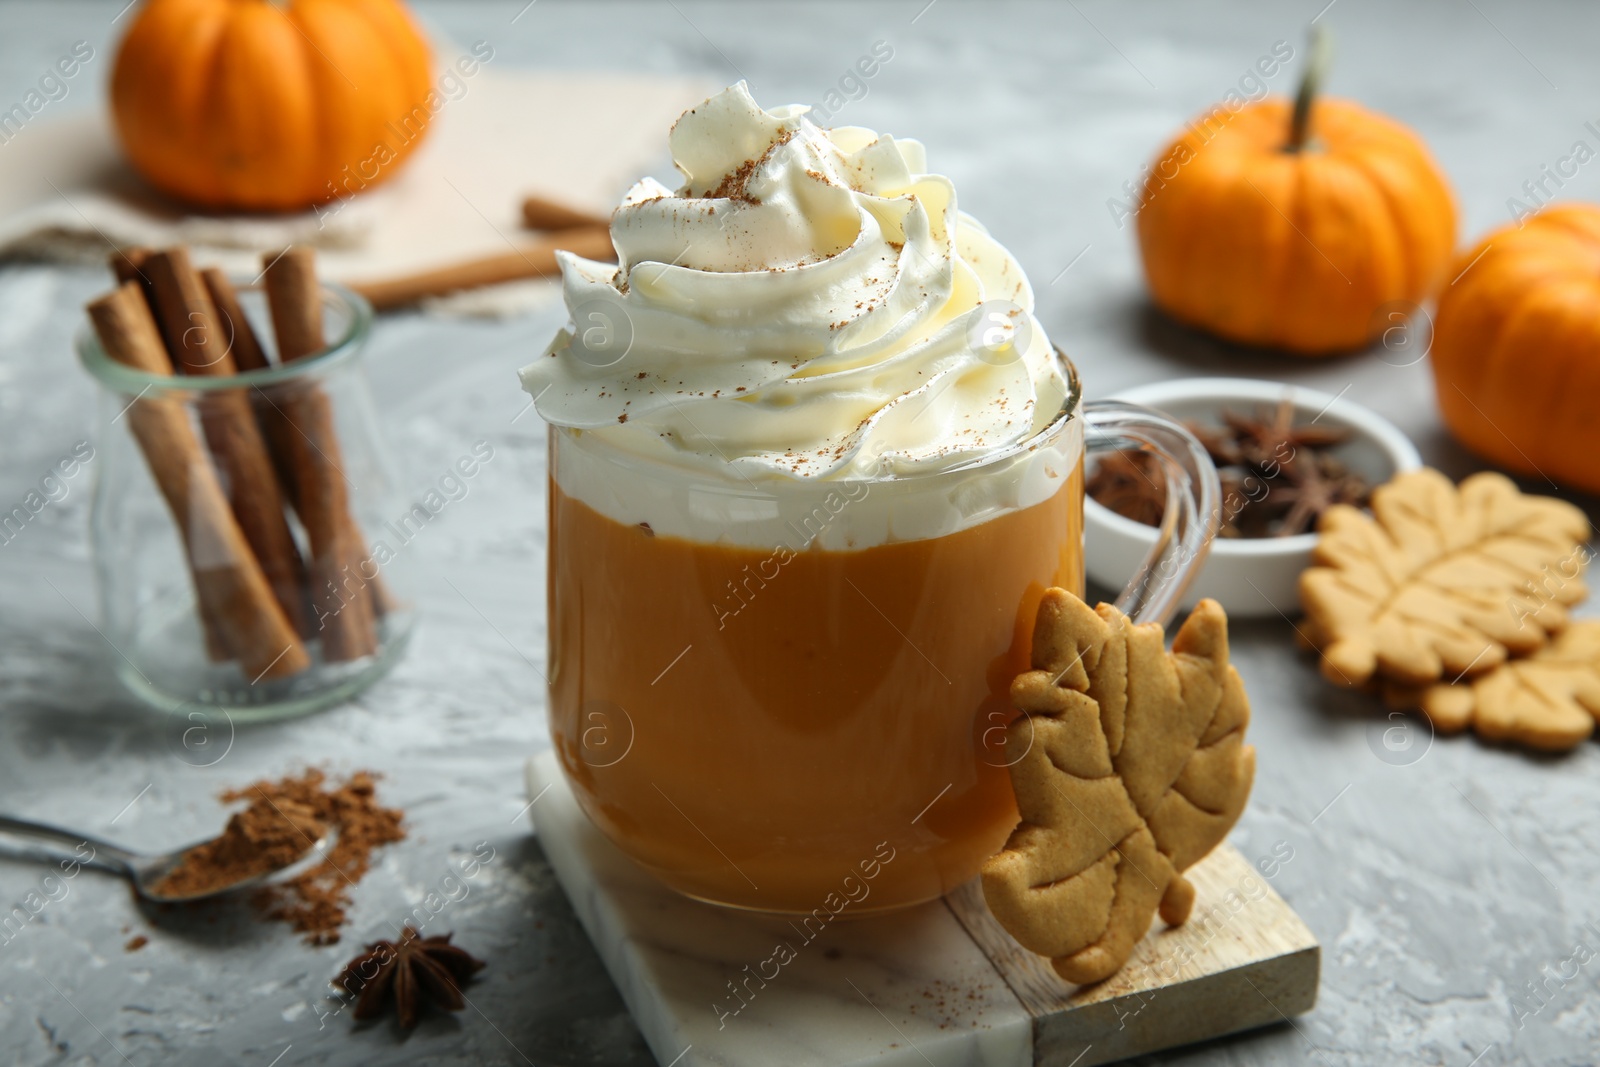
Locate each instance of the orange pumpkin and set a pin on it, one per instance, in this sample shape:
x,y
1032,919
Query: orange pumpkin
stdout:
x,y
245,104
1516,347
1295,226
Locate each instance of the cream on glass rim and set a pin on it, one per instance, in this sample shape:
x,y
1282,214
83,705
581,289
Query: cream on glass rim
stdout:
x,y
813,462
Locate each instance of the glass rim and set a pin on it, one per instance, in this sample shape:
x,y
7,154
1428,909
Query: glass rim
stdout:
x,y
127,380
1064,414
1071,404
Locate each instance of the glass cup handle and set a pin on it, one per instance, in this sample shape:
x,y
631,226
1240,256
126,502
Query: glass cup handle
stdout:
x,y
1194,498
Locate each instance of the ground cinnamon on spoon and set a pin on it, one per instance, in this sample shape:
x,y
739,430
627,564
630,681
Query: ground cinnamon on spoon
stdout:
x,y
262,838
278,826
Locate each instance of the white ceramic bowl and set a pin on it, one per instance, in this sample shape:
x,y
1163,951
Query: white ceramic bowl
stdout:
x,y
1249,577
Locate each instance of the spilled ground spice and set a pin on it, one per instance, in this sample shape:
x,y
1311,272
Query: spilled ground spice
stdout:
x,y
263,837
315,902
280,823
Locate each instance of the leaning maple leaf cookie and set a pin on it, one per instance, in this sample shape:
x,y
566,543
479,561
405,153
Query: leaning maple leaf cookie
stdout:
x,y
1548,701
1128,765
1441,581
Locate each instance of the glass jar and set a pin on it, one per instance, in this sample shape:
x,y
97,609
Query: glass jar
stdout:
x,y
198,618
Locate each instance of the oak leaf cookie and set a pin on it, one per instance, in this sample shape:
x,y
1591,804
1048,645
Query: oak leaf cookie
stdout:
x,y
1548,701
1441,581
1129,765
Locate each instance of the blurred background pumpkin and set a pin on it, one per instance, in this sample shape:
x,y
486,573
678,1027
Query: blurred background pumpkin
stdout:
x,y
1516,347
256,106
1297,225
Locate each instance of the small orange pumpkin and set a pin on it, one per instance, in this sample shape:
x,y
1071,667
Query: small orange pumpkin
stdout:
x,y
1516,347
1297,226
246,104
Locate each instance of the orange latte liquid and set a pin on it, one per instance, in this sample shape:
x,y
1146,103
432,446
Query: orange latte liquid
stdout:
x,y
754,725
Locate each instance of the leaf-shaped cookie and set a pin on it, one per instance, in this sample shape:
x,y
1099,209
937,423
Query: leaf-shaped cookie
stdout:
x,y
1129,765
1548,701
1441,581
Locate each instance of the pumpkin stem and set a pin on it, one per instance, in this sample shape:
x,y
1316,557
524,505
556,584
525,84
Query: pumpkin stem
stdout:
x,y
1317,59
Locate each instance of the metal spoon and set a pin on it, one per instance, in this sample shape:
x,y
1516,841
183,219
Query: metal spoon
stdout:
x,y
146,871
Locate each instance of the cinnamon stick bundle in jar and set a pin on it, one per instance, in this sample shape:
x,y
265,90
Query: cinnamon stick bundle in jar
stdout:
x,y
231,587
199,346
268,451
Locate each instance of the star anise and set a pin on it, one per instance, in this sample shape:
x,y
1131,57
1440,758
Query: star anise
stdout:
x,y
1316,488
1131,484
1222,444
1275,441
1277,476
409,971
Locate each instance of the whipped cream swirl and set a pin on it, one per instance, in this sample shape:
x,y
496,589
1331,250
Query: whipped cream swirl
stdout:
x,y
808,304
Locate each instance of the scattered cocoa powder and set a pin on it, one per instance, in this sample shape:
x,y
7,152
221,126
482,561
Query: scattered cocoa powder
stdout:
x,y
262,838
279,825
314,903
734,185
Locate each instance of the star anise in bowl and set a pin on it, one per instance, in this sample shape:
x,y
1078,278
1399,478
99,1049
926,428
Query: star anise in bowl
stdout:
x,y
1278,475
410,972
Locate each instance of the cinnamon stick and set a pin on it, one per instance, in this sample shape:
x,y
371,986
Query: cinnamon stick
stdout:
x,y
339,594
249,355
553,216
200,345
247,351
230,584
275,425
127,264
537,260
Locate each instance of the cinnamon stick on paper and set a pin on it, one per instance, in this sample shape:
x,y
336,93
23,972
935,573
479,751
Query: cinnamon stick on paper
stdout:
x,y
536,260
200,346
274,423
229,582
553,216
343,612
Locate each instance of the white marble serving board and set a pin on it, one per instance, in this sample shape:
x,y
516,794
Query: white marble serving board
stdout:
x,y
938,985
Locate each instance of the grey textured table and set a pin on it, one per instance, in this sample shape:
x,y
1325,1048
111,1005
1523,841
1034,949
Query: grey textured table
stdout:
x,y
1441,884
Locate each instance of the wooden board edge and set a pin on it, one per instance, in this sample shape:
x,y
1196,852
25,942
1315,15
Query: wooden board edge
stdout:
x,y
1096,1025
1199,1009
